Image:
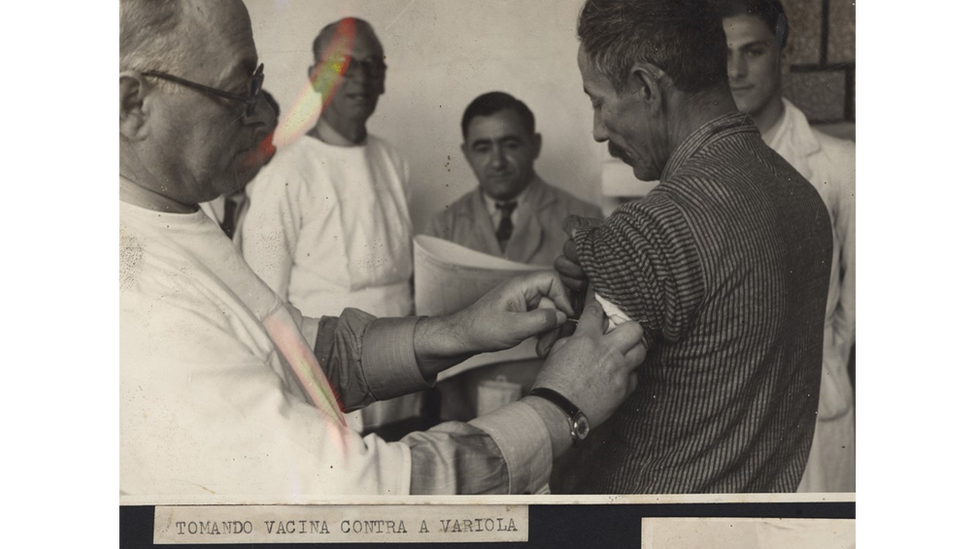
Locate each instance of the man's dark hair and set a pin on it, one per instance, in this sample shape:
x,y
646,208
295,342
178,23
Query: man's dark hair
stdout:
x,y
770,12
684,38
489,103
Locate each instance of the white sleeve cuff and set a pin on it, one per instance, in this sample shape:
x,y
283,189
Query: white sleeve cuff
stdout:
x,y
523,439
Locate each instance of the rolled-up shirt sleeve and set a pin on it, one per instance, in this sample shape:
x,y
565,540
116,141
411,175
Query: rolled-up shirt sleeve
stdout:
x,y
644,260
505,452
368,359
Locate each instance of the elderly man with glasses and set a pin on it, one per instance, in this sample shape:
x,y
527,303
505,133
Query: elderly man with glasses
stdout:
x,y
227,393
329,226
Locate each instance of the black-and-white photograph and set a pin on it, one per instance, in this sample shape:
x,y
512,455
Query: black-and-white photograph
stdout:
x,y
517,247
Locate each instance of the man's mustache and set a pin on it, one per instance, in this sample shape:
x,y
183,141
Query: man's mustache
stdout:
x,y
616,151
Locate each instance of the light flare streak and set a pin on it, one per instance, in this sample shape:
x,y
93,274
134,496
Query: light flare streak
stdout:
x,y
292,345
318,91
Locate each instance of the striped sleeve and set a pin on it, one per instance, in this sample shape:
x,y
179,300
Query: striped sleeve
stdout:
x,y
644,260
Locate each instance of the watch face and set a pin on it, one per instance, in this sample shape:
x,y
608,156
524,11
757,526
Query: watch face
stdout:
x,y
582,427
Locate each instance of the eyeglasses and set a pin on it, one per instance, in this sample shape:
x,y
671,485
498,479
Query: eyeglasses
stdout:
x,y
250,99
372,66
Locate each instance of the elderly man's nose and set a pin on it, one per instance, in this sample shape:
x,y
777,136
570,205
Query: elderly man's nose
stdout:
x,y
600,133
263,115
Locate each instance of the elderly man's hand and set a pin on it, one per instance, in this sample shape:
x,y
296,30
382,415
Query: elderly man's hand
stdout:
x,y
595,371
567,265
504,317
513,312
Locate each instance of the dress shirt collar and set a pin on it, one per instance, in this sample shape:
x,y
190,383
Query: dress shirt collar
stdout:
x,y
519,199
713,130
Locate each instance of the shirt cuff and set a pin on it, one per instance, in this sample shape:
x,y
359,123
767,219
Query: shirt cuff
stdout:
x,y
523,439
388,358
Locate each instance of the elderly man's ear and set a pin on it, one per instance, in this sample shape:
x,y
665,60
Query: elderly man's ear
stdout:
x,y
132,106
647,80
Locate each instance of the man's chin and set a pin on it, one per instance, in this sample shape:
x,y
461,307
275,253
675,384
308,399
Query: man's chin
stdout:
x,y
361,108
618,153
260,156
253,161
644,176
237,184
645,173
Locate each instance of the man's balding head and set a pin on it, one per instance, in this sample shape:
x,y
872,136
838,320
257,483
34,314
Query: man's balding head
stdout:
x,y
183,138
350,73
347,26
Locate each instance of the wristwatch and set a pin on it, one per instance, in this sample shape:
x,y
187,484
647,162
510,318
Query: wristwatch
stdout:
x,y
579,425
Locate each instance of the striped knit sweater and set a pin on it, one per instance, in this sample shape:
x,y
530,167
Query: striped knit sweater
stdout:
x,y
726,265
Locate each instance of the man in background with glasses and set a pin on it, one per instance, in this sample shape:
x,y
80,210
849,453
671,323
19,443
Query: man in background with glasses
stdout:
x,y
329,226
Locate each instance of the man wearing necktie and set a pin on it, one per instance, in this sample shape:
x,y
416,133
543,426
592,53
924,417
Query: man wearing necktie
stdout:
x,y
505,227
513,213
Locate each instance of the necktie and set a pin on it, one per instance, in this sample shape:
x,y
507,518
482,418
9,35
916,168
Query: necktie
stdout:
x,y
504,232
230,214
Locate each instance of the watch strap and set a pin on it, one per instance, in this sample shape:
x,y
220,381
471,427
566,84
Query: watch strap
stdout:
x,y
579,425
559,400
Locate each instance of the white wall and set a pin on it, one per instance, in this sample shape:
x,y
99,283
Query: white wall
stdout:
x,y
442,54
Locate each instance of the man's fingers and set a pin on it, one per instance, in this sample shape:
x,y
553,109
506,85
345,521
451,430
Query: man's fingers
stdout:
x,y
626,336
526,325
546,284
552,340
631,383
546,341
571,274
634,356
592,320
557,345
570,224
569,250
567,267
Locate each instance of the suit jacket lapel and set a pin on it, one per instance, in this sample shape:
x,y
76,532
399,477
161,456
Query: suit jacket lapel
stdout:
x,y
527,239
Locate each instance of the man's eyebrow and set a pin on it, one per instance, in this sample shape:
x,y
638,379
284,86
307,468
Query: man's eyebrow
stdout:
x,y
373,57
760,42
488,141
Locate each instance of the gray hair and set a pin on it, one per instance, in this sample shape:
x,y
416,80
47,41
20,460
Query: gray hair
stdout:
x,y
685,39
148,37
